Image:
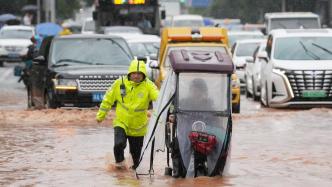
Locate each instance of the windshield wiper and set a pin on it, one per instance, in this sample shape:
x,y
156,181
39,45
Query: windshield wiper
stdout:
x,y
116,43
322,48
310,53
59,65
72,60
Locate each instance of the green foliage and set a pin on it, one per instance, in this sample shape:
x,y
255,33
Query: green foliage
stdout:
x,y
12,6
65,8
251,10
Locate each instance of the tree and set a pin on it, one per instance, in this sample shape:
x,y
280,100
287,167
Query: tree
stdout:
x,y
66,9
12,6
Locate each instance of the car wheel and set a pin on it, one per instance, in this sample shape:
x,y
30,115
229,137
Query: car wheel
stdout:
x,y
247,90
49,101
254,94
263,93
266,96
1,63
29,100
236,108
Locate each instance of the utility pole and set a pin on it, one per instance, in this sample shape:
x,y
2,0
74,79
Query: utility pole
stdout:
x,y
38,11
53,11
283,5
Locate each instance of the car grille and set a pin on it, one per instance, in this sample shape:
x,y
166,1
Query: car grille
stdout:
x,y
301,80
13,48
100,84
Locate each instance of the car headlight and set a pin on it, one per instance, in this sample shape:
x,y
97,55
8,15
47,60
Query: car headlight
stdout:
x,y
65,84
235,81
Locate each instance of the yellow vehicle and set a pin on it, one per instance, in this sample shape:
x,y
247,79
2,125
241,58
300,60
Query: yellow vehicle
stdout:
x,y
207,38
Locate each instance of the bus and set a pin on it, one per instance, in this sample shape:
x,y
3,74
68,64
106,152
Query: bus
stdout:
x,y
144,14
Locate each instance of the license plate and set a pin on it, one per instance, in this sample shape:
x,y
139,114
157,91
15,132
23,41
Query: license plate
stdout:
x,y
97,97
314,93
13,55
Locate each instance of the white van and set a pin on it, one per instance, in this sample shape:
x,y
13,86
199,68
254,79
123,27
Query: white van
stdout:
x,y
297,68
291,20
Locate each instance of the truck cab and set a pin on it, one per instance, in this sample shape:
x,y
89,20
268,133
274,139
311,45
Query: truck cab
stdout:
x,y
291,20
203,38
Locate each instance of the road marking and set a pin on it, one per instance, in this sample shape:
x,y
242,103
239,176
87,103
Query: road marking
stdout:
x,y
6,73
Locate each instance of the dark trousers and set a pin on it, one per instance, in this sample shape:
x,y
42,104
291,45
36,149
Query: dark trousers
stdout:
x,y
120,143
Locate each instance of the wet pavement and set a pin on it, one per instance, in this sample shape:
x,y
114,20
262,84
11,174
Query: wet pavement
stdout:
x,y
66,147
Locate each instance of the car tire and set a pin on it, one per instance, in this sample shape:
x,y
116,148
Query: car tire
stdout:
x,y
262,95
254,94
236,108
29,99
1,63
50,101
246,90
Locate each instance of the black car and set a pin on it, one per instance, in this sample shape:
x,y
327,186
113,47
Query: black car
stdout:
x,y
76,70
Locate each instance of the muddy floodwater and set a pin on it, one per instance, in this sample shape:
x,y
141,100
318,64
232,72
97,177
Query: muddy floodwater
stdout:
x,y
66,147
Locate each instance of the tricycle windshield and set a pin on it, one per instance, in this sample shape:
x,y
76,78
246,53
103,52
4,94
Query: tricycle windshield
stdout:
x,y
203,92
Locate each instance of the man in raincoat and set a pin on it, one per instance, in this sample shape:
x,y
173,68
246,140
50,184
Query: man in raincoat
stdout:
x,y
132,94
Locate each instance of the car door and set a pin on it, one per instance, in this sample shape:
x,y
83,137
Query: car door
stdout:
x,y
38,74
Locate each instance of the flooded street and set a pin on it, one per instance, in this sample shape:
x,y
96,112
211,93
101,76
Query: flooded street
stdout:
x,y
66,147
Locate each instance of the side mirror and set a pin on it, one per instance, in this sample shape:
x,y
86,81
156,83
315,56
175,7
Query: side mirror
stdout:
x,y
95,15
263,30
163,14
154,64
154,56
263,55
250,59
39,60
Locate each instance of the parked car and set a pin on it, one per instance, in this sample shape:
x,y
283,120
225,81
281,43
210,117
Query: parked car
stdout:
x,y
242,35
297,68
76,70
252,73
187,20
14,43
122,30
241,50
143,46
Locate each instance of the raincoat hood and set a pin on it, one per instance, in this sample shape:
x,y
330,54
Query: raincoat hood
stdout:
x,y
137,66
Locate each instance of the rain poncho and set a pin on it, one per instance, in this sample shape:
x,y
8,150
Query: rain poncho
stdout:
x,y
131,108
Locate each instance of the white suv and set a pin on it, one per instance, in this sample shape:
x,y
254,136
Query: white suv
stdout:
x,y
297,69
14,42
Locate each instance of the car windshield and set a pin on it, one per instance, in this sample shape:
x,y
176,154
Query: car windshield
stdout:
x,y
188,23
19,34
246,49
144,49
235,37
193,48
203,92
294,23
303,48
100,51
